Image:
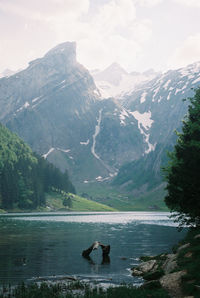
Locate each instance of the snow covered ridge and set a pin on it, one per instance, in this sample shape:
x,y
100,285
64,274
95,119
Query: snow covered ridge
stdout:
x,y
190,70
166,86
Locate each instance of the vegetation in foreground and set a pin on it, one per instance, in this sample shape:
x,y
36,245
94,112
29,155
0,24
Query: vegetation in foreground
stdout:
x,y
189,260
178,272
183,170
80,290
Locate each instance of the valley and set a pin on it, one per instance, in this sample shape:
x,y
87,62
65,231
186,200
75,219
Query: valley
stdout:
x,y
113,148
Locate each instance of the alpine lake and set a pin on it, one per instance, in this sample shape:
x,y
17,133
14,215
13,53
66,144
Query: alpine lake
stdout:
x,y
48,246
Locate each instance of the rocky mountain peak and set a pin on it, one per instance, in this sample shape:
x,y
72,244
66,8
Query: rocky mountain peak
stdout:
x,y
66,49
60,57
111,74
57,70
116,67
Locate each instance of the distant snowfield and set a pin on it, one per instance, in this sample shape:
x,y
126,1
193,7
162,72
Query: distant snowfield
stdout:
x,y
126,82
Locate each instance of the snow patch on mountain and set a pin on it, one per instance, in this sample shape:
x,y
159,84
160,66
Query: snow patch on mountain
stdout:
x,y
143,97
151,147
53,149
169,95
97,130
25,106
155,93
36,98
122,116
63,150
85,143
196,81
143,119
49,152
144,124
96,92
178,90
166,84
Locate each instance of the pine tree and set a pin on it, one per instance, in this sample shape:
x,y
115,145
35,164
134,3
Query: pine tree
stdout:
x,y
183,170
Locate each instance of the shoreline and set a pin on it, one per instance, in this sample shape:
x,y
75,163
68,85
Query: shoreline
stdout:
x,y
177,272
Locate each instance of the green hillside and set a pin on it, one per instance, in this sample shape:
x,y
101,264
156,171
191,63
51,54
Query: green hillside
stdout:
x,y
25,177
56,202
121,200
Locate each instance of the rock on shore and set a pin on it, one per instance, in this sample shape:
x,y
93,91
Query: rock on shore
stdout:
x,y
163,271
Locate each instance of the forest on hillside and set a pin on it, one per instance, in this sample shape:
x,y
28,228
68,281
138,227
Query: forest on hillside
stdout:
x,y
25,177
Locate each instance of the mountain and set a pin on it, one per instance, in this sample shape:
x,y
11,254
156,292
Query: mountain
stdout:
x,y
161,99
54,105
114,80
25,178
112,74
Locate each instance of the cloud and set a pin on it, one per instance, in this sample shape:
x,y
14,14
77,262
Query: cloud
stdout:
x,y
110,33
42,10
148,3
101,54
117,12
186,53
190,3
115,35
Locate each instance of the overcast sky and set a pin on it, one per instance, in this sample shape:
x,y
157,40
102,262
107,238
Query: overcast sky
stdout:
x,y
138,34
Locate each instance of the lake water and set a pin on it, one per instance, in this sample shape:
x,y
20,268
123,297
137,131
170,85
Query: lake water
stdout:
x,y
50,245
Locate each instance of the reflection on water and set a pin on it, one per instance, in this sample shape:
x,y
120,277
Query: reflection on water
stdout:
x,y
46,245
98,217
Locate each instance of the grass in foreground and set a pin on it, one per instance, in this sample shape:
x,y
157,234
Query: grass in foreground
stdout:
x,y
58,291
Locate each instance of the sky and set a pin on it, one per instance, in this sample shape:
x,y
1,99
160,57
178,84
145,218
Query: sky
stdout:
x,y
138,34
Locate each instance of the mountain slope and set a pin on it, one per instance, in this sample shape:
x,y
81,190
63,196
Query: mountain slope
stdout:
x,y
56,202
162,98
